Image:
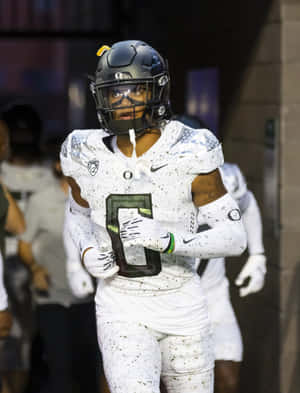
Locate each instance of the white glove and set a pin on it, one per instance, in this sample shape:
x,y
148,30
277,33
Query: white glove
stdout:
x,y
100,262
145,232
255,269
81,283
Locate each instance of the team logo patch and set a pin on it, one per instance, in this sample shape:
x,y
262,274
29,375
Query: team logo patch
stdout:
x,y
93,167
234,215
127,175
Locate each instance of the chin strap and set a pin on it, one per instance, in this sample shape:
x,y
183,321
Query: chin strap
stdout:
x,y
132,139
140,166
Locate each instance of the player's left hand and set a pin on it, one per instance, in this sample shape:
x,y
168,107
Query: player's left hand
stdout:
x,y
254,269
145,232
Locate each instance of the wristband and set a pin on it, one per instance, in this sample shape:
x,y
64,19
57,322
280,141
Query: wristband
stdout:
x,y
83,254
171,245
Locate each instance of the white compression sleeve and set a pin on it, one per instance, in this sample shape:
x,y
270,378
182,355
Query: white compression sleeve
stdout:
x,y
3,294
73,263
253,225
227,236
78,223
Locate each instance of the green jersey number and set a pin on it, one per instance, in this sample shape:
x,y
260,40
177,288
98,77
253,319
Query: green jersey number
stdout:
x,y
143,203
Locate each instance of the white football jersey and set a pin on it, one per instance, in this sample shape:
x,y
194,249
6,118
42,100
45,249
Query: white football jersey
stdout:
x,y
236,185
156,184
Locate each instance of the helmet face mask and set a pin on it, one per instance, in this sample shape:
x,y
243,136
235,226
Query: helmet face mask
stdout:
x,y
131,88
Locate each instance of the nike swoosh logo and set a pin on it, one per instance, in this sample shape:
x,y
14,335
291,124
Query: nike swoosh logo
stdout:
x,y
157,168
188,241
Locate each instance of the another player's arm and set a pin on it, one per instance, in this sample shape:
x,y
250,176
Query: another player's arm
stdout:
x,y
5,315
15,222
40,276
253,225
255,267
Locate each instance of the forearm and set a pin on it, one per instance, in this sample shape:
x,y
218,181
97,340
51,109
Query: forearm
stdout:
x,y
15,222
78,226
73,263
227,236
26,255
253,225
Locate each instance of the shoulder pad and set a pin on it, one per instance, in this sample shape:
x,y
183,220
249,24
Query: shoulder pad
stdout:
x,y
78,149
200,148
234,180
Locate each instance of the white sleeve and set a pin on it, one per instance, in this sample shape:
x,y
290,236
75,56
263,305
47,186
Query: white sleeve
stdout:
x,y
73,263
79,280
227,236
3,294
78,223
253,225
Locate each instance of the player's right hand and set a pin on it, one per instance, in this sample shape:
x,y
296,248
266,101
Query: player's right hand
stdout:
x,y
100,262
81,283
5,323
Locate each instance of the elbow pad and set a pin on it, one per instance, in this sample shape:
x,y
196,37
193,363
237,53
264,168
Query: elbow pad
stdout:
x,y
226,236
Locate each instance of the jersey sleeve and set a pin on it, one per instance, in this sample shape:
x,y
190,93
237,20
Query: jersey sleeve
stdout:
x,y
202,151
71,154
78,151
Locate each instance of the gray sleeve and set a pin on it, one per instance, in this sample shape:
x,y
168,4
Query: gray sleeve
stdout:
x,y
32,219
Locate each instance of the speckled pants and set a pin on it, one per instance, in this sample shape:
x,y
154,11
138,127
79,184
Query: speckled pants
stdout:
x,y
228,344
135,357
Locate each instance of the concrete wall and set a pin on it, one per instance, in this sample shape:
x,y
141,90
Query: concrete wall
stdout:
x,y
257,99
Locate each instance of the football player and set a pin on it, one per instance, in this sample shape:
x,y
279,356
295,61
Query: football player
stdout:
x,y
227,335
138,185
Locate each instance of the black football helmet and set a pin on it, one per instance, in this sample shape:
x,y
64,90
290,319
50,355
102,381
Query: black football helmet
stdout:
x,y
133,77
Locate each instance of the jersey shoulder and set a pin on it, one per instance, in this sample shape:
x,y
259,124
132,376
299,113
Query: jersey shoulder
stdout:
x,y
201,150
79,149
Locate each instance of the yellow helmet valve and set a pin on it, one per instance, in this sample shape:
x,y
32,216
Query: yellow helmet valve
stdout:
x,y
102,50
